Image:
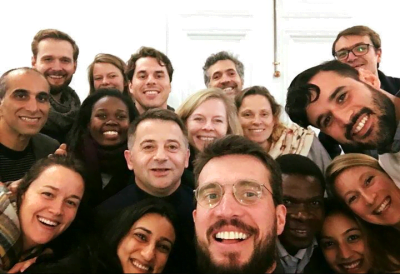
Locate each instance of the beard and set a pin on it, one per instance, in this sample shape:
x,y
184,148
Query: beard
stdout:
x,y
54,90
385,111
262,259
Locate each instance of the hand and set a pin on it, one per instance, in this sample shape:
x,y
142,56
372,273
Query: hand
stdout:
x,y
22,266
62,150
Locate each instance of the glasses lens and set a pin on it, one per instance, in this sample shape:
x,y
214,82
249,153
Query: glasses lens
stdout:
x,y
360,50
341,54
247,192
209,195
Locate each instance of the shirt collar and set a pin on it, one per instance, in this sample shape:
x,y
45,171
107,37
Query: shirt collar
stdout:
x,y
300,254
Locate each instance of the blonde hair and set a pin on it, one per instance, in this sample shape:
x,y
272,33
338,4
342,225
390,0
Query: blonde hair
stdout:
x,y
345,162
195,100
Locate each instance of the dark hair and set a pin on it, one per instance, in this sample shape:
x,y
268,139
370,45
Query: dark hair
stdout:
x,y
143,52
359,31
156,114
108,59
239,145
53,34
222,55
121,224
294,164
300,92
382,242
80,126
43,164
275,107
4,78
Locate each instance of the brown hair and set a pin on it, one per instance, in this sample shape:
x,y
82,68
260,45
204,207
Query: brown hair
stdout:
x,y
275,107
108,59
143,52
53,34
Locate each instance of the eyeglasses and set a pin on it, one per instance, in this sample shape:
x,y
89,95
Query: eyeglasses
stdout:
x,y
245,192
358,50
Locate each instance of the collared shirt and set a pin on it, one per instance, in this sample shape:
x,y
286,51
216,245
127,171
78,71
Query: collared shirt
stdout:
x,y
296,263
390,160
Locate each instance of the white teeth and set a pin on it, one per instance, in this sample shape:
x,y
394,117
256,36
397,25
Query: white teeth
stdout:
x,y
228,89
30,119
257,130
207,139
383,206
151,92
301,231
56,76
110,133
47,222
231,235
361,124
352,265
139,265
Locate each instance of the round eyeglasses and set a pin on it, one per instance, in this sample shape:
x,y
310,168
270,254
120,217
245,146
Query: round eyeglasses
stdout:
x,y
245,192
357,50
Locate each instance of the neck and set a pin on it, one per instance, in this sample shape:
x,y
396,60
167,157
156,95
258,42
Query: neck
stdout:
x,y
157,192
142,109
11,139
266,145
57,97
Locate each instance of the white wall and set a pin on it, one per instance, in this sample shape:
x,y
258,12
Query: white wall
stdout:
x,y
306,31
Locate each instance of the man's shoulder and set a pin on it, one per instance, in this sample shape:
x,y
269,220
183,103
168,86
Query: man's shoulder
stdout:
x,y
126,197
389,83
43,145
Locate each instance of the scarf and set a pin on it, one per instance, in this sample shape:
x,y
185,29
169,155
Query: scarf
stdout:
x,y
293,140
62,114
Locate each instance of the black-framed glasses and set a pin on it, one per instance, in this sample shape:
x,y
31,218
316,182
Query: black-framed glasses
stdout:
x,y
245,192
357,50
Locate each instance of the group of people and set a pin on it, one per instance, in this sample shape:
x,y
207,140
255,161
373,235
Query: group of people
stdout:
x,y
123,183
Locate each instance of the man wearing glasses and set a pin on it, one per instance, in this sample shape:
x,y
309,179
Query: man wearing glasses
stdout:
x,y
360,47
239,211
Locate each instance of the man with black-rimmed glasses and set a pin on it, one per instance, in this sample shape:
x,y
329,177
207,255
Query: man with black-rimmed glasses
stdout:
x,y
239,212
359,47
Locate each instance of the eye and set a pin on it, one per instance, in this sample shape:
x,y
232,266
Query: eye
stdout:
x,y
160,75
122,117
21,95
66,60
113,76
361,48
140,236
43,98
172,147
351,199
97,78
219,120
47,59
232,73
368,181
265,114
216,76
246,114
198,119
48,194
327,121
164,248
341,98
327,244
315,203
353,238
148,147
101,116
72,203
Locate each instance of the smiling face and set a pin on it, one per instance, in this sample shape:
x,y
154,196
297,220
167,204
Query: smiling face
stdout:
x,y
55,60
303,197
146,247
106,75
223,75
207,123
109,122
158,157
352,112
371,194
256,118
25,106
49,205
368,61
232,236
150,84
343,245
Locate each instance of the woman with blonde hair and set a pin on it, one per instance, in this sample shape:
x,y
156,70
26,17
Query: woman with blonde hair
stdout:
x,y
259,117
359,181
107,71
208,115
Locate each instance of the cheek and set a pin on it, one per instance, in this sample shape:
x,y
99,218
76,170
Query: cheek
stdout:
x,y
222,129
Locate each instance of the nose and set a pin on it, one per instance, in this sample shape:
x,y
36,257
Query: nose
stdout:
x,y
32,105
301,214
148,252
56,207
111,122
106,81
345,251
151,80
228,207
208,125
369,197
343,117
257,119
160,154
350,57
56,65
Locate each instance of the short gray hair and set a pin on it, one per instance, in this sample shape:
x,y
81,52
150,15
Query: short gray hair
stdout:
x,y
222,55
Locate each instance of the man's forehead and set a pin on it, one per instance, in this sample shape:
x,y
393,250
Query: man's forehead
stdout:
x,y
28,80
51,46
222,65
149,64
159,130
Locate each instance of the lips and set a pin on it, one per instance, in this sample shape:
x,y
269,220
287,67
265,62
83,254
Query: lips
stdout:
x,y
47,222
361,126
160,172
206,138
30,119
300,232
146,268
230,237
383,206
351,266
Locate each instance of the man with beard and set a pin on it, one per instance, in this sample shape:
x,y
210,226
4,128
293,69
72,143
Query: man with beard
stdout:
x,y
360,47
238,213
55,55
349,106
223,70
303,187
